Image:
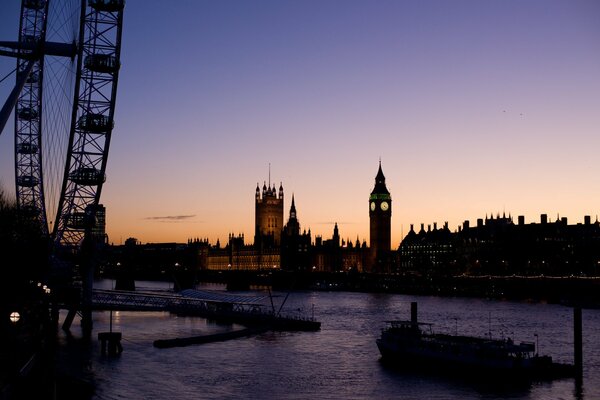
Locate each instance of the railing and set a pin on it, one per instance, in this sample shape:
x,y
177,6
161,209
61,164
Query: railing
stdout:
x,y
243,313
136,301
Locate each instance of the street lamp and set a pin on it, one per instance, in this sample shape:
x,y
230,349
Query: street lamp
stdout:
x,y
15,317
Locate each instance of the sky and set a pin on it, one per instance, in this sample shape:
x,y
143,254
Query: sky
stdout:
x,y
474,107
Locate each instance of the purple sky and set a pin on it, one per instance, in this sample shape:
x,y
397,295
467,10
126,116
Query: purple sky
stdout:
x,y
473,106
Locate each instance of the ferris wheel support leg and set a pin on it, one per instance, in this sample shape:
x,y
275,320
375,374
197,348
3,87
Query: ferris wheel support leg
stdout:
x,y
14,95
89,257
87,279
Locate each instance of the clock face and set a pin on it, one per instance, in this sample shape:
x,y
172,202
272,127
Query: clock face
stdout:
x,y
372,206
384,206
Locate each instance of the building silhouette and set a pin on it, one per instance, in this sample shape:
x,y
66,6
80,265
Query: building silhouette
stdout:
x,y
98,227
499,246
296,254
380,215
268,216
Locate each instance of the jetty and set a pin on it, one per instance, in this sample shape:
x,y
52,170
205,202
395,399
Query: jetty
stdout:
x,y
201,339
250,311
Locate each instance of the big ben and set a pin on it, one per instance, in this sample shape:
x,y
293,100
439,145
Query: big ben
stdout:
x,y
380,216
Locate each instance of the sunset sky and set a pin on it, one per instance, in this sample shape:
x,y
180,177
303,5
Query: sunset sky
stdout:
x,y
474,107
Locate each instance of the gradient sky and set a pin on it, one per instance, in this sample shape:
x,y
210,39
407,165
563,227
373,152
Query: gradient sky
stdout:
x,y
474,107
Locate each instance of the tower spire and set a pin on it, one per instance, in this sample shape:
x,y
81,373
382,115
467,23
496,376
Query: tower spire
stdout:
x,y
293,208
380,182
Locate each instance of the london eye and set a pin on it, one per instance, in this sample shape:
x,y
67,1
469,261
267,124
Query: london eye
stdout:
x,y
67,69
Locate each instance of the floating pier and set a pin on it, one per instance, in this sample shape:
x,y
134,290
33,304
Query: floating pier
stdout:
x,y
217,337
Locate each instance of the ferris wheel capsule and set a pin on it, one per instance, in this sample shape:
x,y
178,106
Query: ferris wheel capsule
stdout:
x,y
27,181
102,63
27,113
87,176
96,123
34,4
107,5
27,148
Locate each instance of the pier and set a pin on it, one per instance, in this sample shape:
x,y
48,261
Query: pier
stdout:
x,y
217,337
243,310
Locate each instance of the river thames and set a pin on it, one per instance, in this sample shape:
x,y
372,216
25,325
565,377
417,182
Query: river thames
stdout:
x,y
341,361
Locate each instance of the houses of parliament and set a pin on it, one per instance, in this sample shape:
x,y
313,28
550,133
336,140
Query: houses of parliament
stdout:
x,y
286,246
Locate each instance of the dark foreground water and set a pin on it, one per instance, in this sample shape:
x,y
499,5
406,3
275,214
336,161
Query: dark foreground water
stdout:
x,y
339,362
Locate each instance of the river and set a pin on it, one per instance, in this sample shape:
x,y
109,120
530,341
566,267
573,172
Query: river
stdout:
x,y
341,361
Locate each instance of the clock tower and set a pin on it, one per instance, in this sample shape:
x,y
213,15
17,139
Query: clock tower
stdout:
x,y
380,216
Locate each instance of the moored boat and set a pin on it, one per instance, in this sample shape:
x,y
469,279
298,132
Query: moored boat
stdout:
x,y
414,345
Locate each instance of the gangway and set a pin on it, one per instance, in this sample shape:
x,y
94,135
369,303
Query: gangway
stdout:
x,y
245,310
174,302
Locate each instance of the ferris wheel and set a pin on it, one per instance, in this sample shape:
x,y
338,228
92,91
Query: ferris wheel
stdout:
x,y
68,61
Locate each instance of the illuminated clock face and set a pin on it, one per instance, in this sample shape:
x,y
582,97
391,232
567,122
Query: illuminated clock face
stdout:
x,y
372,206
384,206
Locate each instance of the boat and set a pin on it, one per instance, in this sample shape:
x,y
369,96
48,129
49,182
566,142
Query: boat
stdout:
x,y
414,345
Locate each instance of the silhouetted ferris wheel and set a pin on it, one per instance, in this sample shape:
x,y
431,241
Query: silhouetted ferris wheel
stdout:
x,y
68,60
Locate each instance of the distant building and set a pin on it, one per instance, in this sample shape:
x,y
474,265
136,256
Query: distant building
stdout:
x,y
328,253
498,246
237,255
295,246
338,255
427,252
97,215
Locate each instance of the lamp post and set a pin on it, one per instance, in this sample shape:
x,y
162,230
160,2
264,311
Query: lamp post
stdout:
x,y
13,344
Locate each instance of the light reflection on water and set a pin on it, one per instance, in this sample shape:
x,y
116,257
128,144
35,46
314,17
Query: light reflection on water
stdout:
x,y
340,361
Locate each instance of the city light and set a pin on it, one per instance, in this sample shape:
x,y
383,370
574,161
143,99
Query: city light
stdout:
x,y
15,317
